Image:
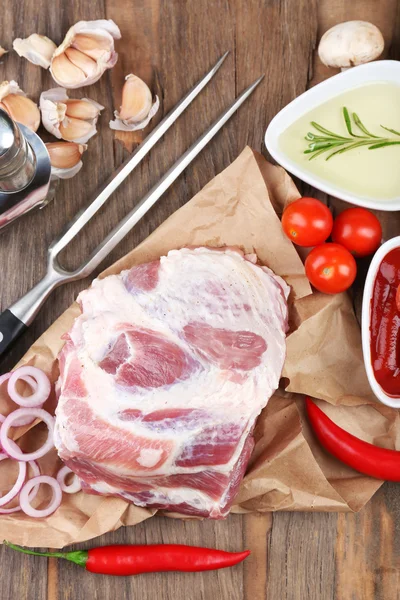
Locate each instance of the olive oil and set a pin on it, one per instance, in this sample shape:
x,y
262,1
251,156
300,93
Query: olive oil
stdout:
x,y
370,173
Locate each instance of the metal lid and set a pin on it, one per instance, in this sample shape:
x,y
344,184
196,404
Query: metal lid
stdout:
x,y
17,162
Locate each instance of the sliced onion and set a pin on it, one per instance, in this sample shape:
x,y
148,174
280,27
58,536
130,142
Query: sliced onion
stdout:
x,y
15,490
13,450
39,395
36,472
30,381
74,486
25,501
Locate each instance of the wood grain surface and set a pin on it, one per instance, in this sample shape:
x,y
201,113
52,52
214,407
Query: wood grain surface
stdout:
x,y
171,43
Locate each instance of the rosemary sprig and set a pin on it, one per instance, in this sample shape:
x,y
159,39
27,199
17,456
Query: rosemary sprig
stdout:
x,y
326,140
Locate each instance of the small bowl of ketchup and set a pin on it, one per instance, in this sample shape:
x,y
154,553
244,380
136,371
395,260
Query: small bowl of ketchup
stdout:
x,y
381,323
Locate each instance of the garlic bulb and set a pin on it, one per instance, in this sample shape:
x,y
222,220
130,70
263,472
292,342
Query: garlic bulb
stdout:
x,y
65,158
71,120
137,106
38,49
2,51
86,52
20,108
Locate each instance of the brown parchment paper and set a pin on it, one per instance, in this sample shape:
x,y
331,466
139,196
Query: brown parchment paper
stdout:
x,y
288,470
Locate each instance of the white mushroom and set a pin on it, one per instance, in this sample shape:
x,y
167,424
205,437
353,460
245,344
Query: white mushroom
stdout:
x,y
351,43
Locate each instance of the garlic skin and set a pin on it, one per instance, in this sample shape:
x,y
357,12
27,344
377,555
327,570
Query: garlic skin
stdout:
x,y
86,52
20,108
137,108
38,49
65,158
2,51
350,43
71,120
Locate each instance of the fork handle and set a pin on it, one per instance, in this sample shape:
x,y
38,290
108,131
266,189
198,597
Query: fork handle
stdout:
x,y
10,329
16,319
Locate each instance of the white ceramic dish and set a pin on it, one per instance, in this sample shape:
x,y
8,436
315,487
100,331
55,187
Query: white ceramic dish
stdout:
x,y
384,70
366,318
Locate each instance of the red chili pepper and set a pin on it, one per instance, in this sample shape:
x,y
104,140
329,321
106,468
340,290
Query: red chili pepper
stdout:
x,y
366,458
132,560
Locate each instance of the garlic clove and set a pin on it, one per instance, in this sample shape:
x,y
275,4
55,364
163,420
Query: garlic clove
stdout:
x,y
92,45
2,51
137,108
57,173
14,101
38,49
76,130
65,73
136,100
83,109
94,39
72,120
85,63
64,155
53,109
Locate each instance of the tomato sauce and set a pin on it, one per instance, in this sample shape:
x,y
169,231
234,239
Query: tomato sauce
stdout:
x,y
385,325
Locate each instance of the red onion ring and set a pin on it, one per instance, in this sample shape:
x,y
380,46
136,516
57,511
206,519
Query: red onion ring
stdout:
x,y
15,490
54,504
36,472
15,452
41,393
74,486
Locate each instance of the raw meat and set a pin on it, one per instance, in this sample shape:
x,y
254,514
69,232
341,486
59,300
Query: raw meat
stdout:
x,y
163,375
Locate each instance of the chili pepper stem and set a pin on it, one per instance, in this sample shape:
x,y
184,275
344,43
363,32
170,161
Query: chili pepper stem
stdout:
x,y
79,557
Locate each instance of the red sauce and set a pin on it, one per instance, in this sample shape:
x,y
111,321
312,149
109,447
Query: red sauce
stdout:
x,y
385,325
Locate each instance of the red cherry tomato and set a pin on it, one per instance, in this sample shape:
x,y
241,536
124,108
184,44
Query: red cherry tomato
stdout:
x,y
330,268
307,222
358,230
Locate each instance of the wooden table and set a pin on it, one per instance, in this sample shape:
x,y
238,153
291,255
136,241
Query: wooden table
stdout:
x,y
170,44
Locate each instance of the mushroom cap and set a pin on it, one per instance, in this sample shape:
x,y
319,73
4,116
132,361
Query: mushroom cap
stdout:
x,y
351,43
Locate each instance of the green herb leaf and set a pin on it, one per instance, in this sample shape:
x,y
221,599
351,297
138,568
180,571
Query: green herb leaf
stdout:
x,y
347,120
361,126
383,144
391,130
327,132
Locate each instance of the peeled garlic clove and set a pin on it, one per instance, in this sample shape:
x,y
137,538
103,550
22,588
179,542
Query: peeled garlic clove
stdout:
x,y
19,107
65,158
2,51
38,49
83,109
72,120
72,129
85,63
64,155
93,39
65,73
137,106
92,45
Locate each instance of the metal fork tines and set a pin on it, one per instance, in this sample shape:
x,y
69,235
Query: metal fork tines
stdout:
x,y
22,313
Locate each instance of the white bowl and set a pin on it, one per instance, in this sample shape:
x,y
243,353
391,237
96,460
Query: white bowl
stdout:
x,y
366,319
383,70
